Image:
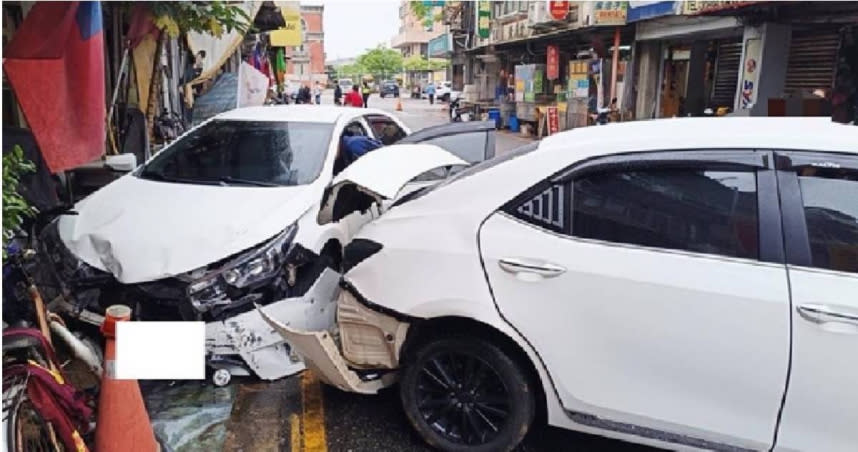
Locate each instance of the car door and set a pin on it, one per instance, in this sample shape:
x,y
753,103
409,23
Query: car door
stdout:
x,y
819,194
653,288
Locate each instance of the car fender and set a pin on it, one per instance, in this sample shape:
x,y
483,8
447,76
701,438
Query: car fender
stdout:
x,y
489,316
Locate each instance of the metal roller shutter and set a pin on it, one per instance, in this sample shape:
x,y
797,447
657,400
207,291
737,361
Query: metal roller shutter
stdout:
x,y
812,59
726,74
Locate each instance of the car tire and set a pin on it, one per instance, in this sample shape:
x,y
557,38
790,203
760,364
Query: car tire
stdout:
x,y
445,98
494,418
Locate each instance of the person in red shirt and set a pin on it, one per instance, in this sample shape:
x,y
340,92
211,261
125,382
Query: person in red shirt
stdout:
x,y
353,98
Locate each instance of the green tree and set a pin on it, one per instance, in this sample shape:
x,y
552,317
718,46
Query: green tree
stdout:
x,y
15,207
381,62
419,63
212,17
352,71
426,11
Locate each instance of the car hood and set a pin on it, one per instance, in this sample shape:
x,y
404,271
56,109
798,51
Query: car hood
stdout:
x,y
141,230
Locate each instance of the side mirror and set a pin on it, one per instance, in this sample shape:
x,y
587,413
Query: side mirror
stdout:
x,y
122,162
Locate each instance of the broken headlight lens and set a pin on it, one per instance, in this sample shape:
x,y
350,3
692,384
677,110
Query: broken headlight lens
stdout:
x,y
252,267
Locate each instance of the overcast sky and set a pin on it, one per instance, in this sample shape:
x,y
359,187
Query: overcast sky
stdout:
x,y
354,26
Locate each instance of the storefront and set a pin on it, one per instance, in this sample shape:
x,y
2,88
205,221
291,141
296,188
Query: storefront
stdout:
x,y
693,62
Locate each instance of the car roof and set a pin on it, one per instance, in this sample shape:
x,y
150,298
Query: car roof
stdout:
x,y
786,133
329,114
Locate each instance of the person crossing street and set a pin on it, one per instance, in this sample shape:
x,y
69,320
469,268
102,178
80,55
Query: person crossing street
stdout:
x,y
353,98
365,90
430,91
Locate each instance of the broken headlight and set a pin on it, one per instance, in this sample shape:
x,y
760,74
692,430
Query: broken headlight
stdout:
x,y
207,288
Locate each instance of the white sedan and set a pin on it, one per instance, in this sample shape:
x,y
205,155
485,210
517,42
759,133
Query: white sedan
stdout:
x,y
228,216
684,283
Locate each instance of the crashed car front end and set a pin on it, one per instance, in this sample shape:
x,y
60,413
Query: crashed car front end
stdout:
x,y
275,274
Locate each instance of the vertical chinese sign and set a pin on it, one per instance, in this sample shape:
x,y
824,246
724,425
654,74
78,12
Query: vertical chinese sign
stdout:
x,y
553,63
553,121
484,18
750,73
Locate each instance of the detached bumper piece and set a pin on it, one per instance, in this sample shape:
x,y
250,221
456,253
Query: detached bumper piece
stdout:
x,y
262,348
371,342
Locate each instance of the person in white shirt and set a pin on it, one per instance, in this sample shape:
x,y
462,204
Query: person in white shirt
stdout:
x,y
317,93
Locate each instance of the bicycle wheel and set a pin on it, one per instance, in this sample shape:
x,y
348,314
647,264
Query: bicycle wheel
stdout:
x,y
26,430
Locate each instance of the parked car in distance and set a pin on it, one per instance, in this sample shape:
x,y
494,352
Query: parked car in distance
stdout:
x,y
442,91
236,213
345,84
682,283
389,88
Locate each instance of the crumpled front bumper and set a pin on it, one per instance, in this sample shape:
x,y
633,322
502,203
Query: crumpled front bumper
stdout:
x,y
260,346
370,341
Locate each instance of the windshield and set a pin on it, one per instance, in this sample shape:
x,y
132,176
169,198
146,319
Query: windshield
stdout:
x,y
263,153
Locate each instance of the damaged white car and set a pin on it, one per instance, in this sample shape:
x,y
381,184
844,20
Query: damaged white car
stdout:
x,y
238,212
687,284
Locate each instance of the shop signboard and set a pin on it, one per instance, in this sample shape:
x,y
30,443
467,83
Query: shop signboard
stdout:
x,y
643,10
484,18
558,10
691,7
290,34
440,46
750,73
553,120
579,85
609,13
553,63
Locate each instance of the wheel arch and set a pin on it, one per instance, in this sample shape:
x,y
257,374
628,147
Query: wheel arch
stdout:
x,y
424,330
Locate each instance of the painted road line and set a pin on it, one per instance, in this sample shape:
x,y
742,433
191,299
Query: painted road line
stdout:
x,y
313,414
294,433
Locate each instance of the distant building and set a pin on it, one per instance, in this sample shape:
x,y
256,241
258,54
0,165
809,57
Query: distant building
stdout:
x,y
306,64
414,36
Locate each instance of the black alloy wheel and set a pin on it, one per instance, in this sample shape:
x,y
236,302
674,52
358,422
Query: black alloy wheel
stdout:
x,y
465,394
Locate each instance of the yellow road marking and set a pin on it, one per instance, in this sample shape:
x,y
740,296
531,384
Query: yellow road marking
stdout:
x,y
295,433
313,415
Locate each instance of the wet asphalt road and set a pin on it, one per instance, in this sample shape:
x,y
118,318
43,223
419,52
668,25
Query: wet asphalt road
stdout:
x,y
297,413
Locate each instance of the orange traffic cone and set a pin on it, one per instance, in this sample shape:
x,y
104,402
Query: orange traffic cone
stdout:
x,y
123,423
398,104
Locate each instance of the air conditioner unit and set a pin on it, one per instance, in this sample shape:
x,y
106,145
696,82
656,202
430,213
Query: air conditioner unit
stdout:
x,y
537,13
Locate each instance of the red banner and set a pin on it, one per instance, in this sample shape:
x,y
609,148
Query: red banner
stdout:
x,y
553,121
558,10
55,64
553,63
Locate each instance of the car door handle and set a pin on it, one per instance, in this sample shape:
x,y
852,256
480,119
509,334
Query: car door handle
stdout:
x,y
519,265
821,313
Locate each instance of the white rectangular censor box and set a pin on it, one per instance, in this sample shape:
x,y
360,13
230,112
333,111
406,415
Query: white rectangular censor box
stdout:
x,y
160,350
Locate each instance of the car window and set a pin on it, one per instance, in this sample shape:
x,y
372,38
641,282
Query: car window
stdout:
x,y
355,129
713,212
244,152
386,130
470,147
830,201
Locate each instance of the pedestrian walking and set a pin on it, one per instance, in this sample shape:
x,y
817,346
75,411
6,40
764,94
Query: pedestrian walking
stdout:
x,y
317,93
353,98
430,91
365,90
338,94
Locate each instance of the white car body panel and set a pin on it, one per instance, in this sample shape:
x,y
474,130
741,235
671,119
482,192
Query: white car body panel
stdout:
x,y
824,370
430,266
141,230
637,335
386,170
